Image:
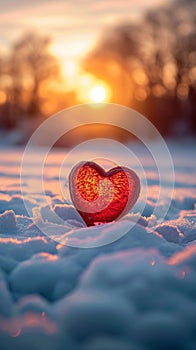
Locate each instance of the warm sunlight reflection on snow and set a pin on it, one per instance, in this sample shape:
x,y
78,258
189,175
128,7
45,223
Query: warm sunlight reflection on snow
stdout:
x,y
8,240
179,257
30,320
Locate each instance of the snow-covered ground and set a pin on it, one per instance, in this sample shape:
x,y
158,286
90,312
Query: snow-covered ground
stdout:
x,y
138,292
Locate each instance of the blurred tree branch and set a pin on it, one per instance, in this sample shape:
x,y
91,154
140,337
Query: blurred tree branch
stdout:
x,y
156,59
30,65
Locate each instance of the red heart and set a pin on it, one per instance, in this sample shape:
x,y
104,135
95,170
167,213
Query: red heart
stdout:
x,y
101,196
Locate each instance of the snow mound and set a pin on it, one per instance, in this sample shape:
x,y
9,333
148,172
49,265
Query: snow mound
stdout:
x,y
137,292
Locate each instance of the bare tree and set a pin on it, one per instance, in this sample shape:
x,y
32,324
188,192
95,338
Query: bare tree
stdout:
x,y
156,59
31,63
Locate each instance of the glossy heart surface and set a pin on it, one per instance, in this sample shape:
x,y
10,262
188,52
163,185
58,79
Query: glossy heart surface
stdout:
x,y
101,197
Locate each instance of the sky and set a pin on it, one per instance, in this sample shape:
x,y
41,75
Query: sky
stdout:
x,y
73,25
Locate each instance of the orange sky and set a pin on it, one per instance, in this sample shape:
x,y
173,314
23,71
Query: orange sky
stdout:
x,y
74,25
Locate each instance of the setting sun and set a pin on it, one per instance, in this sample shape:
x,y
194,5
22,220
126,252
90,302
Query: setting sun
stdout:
x,y
90,89
98,94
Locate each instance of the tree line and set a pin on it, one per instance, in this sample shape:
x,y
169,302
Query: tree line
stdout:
x,y
28,74
151,65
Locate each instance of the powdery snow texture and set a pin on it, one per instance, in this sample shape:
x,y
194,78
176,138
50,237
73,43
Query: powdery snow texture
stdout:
x,y
138,292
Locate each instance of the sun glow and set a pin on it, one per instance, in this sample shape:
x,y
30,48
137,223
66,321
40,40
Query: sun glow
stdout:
x,y
93,90
69,69
87,87
98,94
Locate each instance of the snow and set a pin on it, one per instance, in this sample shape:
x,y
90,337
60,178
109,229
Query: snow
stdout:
x,y
117,290
8,221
